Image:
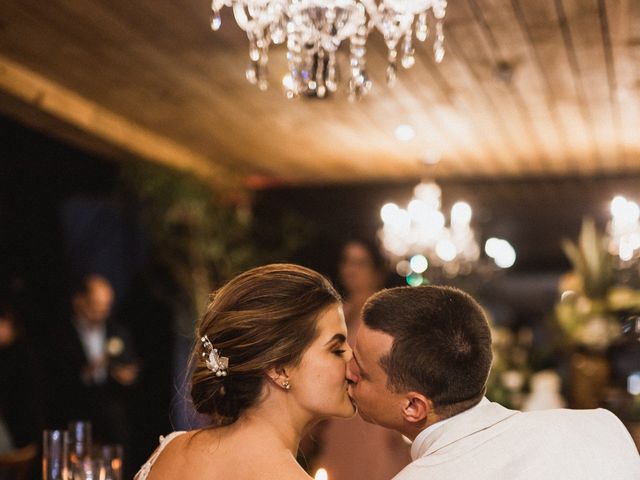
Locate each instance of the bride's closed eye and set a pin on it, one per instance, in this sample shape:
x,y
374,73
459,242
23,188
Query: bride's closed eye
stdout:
x,y
336,343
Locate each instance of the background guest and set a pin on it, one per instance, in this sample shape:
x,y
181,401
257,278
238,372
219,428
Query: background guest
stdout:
x,y
95,364
346,445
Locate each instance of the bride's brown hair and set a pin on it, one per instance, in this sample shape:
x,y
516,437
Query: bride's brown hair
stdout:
x,y
264,318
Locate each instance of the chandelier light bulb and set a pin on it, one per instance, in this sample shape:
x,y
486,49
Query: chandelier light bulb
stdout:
x,y
446,250
388,212
507,258
492,247
398,249
402,220
405,133
403,268
461,213
415,280
625,252
628,244
503,254
419,263
633,383
617,205
434,221
624,212
624,229
632,212
430,193
418,210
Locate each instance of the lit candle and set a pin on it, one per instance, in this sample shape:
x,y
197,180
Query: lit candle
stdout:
x,y
321,474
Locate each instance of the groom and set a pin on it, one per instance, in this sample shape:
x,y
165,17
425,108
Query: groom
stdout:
x,y
420,367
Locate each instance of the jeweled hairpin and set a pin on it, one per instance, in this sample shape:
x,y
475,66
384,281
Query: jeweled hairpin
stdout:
x,y
214,362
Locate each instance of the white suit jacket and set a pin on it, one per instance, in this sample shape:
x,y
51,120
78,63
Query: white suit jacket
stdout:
x,y
492,442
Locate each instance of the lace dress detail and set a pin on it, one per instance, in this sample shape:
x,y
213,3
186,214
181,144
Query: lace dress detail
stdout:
x,y
146,468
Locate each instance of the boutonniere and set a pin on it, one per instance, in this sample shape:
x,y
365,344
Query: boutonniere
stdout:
x,y
115,346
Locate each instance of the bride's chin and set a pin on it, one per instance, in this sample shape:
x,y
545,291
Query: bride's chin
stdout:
x,y
350,409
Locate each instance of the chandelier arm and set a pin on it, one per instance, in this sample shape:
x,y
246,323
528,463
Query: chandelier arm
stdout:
x,y
241,15
372,10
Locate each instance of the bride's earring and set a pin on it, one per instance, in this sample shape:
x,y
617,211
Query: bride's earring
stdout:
x,y
286,385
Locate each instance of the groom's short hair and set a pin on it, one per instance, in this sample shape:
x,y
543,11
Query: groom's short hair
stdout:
x,y
441,346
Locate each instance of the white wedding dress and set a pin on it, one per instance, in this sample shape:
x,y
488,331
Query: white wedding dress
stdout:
x,y
143,473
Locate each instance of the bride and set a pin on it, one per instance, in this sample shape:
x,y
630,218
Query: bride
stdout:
x,y
268,364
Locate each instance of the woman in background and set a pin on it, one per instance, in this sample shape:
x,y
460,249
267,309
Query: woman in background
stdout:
x,y
269,362
351,448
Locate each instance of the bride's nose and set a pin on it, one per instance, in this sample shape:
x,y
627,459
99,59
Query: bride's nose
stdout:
x,y
348,354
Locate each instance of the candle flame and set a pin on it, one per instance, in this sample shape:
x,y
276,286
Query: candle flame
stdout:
x,y
321,474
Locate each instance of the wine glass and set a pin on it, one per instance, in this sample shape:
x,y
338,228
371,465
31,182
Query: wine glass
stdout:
x,y
108,462
55,459
79,450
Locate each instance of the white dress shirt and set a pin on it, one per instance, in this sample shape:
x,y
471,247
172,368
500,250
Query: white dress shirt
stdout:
x,y
94,341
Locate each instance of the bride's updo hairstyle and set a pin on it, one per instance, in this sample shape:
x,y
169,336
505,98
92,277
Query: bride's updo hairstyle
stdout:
x,y
264,318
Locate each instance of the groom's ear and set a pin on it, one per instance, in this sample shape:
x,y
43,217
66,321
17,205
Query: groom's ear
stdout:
x,y
416,408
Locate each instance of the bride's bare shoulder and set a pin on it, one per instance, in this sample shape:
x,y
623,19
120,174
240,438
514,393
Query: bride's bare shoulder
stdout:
x,y
208,454
274,464
167,458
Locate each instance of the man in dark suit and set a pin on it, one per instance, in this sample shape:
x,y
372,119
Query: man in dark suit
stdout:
x,y
95,364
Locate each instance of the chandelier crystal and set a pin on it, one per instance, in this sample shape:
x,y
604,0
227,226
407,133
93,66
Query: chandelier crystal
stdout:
x,y
314,30
417,238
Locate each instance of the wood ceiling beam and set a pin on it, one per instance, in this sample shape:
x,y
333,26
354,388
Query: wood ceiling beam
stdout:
x,y
612,81
500,54
551,102
39,93
572,58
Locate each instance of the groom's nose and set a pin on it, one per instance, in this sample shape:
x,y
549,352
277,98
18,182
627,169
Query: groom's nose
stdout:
x,y
352,372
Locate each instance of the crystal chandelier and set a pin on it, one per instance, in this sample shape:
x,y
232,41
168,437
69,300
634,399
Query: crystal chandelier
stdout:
x,y
417,239
313,30
624,230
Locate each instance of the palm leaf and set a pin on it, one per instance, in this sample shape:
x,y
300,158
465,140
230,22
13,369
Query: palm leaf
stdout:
x,y
591,260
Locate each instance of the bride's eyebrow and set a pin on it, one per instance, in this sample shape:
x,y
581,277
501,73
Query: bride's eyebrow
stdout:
x,y
338,337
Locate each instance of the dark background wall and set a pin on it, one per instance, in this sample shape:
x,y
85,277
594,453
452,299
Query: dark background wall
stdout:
x,y
37,176
61,218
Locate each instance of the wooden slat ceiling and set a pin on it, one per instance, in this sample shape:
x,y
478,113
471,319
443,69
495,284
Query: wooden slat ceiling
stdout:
x,y
526,88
